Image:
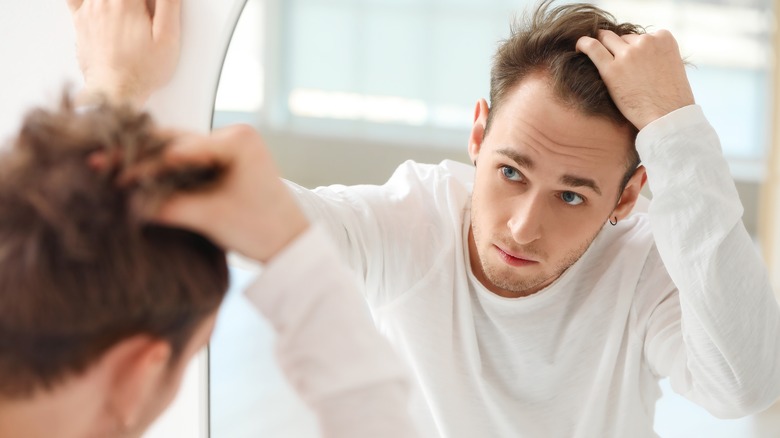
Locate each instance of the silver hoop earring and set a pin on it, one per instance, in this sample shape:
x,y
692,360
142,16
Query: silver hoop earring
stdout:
x,y
613,223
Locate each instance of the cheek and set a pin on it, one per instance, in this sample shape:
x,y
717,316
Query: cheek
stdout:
x,y
570,228
490,208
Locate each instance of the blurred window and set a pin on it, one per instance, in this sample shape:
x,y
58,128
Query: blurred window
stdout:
x,y
413,69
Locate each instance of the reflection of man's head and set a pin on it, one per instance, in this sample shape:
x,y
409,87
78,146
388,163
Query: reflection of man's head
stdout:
x,y
89,291
553,153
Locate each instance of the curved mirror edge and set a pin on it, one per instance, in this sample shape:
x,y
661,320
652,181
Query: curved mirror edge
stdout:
x,y
248,395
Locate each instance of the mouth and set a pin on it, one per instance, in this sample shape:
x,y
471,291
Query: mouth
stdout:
x,y
515,259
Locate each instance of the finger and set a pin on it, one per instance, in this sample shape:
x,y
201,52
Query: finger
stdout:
x,y
662,33
140,173
228,140
103,161
666,38
173,165
194,151
630,38
98,161
183,210
616,45
184,151
166,23
595,51
176,210
171,132
128,6
74,5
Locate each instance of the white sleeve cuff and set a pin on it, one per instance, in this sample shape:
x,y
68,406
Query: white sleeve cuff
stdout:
x,y
652,139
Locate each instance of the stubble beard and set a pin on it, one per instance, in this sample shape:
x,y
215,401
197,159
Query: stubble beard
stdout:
x,y
508,279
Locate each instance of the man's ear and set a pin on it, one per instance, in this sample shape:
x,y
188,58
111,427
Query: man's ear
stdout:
x,y
478,129
630,194
140,365
142,379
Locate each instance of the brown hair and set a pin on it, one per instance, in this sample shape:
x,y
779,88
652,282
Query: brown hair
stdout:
x,y
80,269
546,42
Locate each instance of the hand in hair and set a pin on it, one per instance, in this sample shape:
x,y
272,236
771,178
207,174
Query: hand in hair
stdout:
x,y
126,49
645,74
248,210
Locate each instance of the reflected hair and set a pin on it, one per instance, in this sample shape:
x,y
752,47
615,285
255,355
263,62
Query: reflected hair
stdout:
x,y
545,42
80,267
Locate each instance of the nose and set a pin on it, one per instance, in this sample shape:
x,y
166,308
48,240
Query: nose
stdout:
x,y
527,218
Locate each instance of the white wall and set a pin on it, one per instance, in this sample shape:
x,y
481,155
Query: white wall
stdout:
x,y
39,57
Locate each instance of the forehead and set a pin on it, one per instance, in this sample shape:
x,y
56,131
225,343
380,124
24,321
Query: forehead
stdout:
x,y
533,121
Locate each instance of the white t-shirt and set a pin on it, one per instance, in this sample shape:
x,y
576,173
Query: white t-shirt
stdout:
x,y
679,291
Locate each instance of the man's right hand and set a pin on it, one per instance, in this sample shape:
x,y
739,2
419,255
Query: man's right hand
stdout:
x,y
250,210
645,74
127,49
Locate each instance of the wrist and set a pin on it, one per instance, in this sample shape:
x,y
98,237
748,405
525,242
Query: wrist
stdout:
x,y
273,228
280,234
96,91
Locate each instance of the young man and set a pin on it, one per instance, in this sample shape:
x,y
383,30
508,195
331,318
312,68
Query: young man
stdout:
x,y
523,291
105,296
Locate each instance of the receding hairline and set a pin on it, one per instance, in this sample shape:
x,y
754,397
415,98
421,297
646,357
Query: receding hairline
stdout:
x,y
559,96
543,73
544,38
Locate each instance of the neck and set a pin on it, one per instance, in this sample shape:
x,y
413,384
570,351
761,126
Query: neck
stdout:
x,y
73,410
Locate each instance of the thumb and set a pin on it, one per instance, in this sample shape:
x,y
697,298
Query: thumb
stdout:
x,y
189,211
74,5
167,20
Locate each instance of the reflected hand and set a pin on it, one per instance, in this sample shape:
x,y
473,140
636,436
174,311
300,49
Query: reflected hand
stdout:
x,y
250,210
127,49
645,74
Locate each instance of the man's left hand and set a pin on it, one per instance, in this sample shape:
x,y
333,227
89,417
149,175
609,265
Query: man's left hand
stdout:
x,y
645,73
127,49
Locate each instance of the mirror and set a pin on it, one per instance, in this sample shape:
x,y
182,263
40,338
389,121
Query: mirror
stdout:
x,y
341,96
248,394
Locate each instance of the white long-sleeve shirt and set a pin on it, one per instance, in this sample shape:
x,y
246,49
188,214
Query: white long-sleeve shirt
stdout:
x,y
327,345
679,291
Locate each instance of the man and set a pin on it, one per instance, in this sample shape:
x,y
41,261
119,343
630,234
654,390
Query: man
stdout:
x,y
525,294
105,296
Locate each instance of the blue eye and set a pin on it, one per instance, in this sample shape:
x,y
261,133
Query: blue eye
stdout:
x,y
511,173
572,198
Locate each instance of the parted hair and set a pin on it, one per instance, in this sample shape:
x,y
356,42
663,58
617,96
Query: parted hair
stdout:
x,y
545,42
80,267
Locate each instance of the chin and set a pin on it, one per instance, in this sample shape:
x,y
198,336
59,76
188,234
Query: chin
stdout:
x,y
509,281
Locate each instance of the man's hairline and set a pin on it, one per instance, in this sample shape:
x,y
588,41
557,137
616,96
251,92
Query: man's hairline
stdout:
x,y
543,72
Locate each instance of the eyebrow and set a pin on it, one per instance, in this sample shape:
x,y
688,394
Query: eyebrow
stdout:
x,y
522,160
576,181
525,161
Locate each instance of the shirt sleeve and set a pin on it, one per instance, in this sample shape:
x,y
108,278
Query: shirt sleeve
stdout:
x,y
718,335
391,235
327,345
